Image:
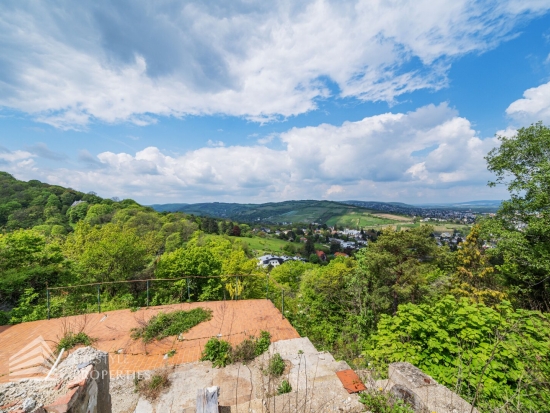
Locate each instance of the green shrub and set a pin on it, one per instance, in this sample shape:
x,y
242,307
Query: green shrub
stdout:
x,y
276,365
490,355
381,402
262,343
4,318
284,387
245,351
70,340
217,351
171,324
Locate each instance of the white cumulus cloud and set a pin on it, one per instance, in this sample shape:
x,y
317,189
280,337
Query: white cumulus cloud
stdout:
x,y
429,153
534,107
70,63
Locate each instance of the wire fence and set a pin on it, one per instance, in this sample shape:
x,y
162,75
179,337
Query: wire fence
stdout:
x,y
183,289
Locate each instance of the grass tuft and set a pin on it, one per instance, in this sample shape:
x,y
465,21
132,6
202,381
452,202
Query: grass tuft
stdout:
x,y
284,387
152,387
382,402
71,340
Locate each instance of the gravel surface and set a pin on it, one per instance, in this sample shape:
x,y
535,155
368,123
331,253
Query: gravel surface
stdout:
x,y
124,398
28,394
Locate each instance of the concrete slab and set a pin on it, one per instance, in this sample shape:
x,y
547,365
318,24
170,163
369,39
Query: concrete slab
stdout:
x,y
432,395
246,389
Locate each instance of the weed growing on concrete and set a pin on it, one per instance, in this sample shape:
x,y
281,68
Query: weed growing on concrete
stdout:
x,y
70,340
170,324
217,351
378,401
152,387
276,365
220,352
284,387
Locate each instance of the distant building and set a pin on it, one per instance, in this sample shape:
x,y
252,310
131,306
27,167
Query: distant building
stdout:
x,y
321,255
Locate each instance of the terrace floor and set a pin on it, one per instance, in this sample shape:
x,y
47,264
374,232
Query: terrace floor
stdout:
x,y
233,320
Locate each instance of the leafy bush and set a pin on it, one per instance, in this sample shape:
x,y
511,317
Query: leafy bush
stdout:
x,y
490,355
276,365
217,351
220,353
70,340
171,324
262,344
4,318
284,387
382,402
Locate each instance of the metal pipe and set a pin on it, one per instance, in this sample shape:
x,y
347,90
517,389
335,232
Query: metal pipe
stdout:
x,y
147,293
55,364
98,299
283,303
48,300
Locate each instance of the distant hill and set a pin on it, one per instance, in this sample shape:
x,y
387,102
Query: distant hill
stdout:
x,y
420,209
322,212
476,206
273,212
391,207
53,208
306,211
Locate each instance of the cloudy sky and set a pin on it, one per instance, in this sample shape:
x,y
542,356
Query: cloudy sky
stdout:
x,y
253,101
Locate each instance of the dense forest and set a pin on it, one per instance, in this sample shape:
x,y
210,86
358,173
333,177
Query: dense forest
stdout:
x,y
476,319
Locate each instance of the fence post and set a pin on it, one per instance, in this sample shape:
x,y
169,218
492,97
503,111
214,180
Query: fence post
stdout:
x,y
98,299
188,293
147,293
267,286
48,300
283,303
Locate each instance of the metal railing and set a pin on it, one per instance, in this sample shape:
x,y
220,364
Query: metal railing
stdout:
x,y
147,287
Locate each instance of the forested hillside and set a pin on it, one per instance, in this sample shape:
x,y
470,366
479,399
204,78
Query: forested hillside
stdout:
x,y
475,318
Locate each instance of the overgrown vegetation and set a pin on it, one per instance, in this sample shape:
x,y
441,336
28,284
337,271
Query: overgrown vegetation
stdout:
x,y
492,356
217,351
276,365
71,340
153,386
221,353
377,401
170,324
284,387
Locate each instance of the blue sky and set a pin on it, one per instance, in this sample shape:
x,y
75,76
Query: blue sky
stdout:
x,y
256,102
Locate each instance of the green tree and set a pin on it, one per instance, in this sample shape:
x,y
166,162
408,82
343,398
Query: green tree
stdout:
x,y
107,253
521,229
397,268
475,277
289,275
77,212
310,246
27,261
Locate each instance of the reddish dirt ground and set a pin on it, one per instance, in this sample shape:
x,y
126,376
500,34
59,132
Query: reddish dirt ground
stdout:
x,y
234,320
